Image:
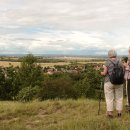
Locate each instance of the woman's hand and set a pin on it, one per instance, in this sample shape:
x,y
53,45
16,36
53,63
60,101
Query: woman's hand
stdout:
x,y
104,72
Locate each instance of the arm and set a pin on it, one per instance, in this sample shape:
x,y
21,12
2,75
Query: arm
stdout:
x,y
104,72
125,64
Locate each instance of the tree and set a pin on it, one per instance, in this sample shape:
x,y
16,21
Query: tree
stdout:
x,y
30,77
2,84
89,85
9,85
30,73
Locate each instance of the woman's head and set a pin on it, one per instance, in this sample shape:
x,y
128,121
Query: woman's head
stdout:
x,y
112,53
129,57
124,59
129,50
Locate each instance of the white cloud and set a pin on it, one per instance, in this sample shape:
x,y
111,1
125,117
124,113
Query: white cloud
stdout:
x,y
47,25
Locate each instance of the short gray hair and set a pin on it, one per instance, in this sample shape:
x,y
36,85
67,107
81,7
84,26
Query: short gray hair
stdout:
x,y
112,53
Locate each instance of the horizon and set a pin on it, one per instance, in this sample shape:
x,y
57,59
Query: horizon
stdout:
x,y
58,55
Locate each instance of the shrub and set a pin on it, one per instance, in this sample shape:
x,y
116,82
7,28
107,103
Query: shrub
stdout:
x,y
89,86
61,87
28,93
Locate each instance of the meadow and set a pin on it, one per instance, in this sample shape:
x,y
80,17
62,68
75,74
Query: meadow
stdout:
x,y
81,114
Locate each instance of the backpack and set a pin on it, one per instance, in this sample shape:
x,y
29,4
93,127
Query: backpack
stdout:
x,y
117,75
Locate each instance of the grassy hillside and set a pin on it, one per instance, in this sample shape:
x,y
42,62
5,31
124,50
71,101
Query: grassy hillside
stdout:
x,y
59,115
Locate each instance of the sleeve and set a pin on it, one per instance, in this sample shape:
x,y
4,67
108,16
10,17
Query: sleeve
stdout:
x,y
106,63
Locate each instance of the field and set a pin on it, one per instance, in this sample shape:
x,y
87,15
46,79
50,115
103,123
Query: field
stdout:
x,y
7,63
51,61
59,115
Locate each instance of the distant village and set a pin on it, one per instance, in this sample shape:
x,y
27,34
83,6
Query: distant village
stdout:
x,y
72,69
72,65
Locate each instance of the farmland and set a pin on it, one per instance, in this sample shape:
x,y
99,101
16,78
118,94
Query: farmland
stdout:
x,y
8,63
51,61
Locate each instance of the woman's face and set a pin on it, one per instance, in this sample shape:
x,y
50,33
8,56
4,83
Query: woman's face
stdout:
x,y
129,58
124,63
129,50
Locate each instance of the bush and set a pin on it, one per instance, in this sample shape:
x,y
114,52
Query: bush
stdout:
x,y
89,86
28,93
61,87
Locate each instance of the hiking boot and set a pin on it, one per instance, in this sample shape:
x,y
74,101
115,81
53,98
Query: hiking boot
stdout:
x,y
109,114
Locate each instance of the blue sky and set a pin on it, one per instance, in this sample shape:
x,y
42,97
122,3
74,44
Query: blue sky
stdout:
x,y
64,26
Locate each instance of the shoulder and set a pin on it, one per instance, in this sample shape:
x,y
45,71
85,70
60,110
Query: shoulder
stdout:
x,y
107,62
120,62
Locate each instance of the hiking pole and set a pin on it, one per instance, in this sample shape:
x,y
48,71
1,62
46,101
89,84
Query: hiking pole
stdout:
x,y
126,85
100,96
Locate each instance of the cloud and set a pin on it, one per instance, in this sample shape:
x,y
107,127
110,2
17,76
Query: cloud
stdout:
x,y
72,25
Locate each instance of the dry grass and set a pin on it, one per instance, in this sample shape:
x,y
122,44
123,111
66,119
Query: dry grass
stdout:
x,y
7,63
58,115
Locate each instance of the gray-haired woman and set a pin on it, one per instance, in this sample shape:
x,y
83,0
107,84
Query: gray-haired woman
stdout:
x,y
112,92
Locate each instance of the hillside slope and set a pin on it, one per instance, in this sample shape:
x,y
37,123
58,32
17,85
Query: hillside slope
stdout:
x,y
59,115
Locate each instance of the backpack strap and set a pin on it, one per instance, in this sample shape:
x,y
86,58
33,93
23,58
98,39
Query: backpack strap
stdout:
x,y
110,64
113,64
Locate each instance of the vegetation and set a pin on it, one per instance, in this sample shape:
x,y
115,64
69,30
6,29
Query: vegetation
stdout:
x,y
30,81
70,114
69,98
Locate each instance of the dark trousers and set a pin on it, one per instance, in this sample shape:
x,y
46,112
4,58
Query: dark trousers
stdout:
x,y
128,91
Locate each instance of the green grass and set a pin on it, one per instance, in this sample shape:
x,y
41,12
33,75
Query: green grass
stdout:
x,y
59,115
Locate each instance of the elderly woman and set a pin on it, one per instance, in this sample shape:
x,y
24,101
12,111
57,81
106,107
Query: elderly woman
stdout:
x,y
126,63
112,92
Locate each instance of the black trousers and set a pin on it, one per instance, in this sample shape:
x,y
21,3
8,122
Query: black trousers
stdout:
x,y
128,91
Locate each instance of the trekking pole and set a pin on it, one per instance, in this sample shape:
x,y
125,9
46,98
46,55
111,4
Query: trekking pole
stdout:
x,y
126,85
100,96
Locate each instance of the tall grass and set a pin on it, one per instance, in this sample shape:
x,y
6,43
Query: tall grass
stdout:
x,y
79,114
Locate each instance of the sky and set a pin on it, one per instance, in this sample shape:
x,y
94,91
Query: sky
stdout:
x,y
79,27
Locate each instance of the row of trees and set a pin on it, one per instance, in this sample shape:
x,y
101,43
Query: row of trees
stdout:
x,y
29,82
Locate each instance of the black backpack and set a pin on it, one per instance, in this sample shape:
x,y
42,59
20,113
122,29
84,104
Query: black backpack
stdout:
x,y
117,74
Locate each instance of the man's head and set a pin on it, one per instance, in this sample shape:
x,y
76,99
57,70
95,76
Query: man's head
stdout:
x,y
112,53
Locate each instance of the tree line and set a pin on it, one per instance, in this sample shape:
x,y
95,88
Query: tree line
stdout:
x,y
28,82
